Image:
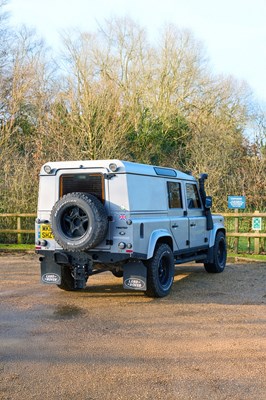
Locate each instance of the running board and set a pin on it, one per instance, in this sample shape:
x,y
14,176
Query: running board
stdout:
x,y
199,257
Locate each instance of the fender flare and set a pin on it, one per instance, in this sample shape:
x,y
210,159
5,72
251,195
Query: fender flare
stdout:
x,y
216,228
154,237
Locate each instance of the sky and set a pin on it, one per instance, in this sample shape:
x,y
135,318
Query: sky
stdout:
x,y
233,32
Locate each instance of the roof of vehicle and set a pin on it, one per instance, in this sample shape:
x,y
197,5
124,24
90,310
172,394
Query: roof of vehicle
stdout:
x,y
121,167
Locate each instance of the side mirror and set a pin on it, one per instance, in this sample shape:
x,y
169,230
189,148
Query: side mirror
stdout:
x,y
208,202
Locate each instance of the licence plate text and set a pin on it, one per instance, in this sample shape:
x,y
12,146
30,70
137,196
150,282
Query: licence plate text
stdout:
x,y
46,232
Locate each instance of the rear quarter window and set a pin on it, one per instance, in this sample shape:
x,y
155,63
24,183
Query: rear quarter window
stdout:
x,y
174,195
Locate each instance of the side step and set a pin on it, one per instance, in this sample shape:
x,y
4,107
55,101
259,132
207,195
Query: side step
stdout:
x,y
199,257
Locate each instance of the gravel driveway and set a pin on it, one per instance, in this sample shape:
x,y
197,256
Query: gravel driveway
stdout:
x,y
206,340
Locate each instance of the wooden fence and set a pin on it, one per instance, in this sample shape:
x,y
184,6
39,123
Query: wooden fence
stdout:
x,y
236,234
18,231
257,235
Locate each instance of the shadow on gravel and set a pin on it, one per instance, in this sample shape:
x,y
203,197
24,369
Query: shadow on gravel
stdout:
x,y
239,284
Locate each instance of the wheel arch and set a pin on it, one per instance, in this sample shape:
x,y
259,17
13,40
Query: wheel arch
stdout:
x,y
159,236
217,254
216,229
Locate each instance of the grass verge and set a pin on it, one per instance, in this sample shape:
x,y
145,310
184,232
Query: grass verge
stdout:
x,y
17,247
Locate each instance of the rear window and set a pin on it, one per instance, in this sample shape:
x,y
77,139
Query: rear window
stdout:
x,y
85,183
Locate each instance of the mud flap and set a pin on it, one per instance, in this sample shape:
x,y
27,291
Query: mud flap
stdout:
x,y
135,276
50,270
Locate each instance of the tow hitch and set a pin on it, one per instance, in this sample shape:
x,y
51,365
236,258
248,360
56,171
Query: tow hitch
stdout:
x,y
80,274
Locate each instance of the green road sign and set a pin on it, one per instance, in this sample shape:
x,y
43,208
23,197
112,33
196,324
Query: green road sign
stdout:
x,y
256,223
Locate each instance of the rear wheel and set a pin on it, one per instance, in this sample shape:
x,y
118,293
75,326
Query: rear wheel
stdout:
x,y
160,271
117,274
67,280
219,255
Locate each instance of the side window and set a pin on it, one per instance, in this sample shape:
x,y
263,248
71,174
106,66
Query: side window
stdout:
x,y
193,199
174,195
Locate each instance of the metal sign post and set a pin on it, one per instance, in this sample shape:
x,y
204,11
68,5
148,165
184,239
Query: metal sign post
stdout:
x,y
236,203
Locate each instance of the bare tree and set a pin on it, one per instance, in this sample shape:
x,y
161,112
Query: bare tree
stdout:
x,y
116,95
24,100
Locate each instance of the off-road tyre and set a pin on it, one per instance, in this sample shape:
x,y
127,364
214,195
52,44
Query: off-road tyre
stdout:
x,y
67,280
118,274
79,221
160,271
219,255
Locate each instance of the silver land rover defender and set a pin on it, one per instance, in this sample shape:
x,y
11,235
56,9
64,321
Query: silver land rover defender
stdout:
x,y
134,220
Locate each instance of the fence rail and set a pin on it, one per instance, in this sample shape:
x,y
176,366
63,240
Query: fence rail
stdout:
x,y
18,231
256,235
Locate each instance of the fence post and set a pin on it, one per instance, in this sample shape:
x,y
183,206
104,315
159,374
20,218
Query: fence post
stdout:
x,y
19,239
256,240
236,230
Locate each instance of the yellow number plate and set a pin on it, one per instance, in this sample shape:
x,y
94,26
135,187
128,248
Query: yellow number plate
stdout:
x,y
46,232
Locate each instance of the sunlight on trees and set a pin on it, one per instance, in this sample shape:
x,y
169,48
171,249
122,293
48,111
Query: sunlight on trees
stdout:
x,y
112,94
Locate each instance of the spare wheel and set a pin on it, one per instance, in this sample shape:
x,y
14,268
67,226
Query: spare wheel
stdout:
x,y
79,221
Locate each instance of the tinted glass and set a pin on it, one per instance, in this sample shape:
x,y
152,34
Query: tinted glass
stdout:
x,y
174,195
85,183
193,199
165,171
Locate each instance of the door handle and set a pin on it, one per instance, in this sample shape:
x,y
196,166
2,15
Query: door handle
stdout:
x,y
193,224
174,226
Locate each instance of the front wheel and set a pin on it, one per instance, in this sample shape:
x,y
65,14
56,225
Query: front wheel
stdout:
x,y
219,255
160,271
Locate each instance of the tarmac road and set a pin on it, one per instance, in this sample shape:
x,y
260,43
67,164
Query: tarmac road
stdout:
x,y
206,340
